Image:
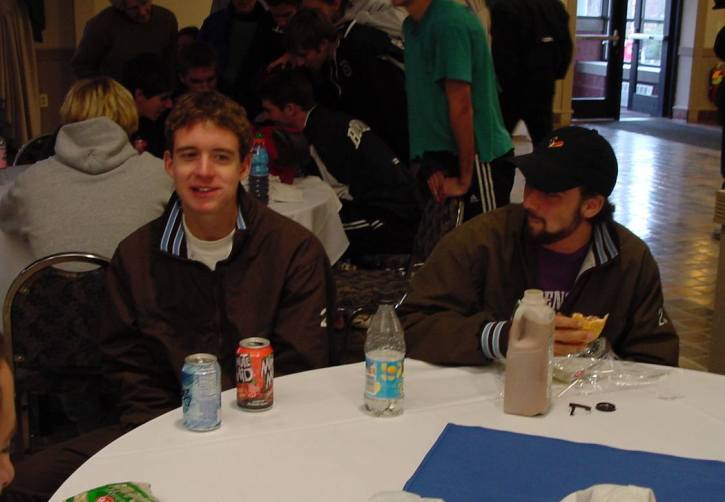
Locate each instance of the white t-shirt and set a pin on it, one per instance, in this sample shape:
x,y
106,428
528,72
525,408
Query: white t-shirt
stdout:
x,y
208,252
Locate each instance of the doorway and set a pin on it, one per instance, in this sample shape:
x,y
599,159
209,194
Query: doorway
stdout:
x,y
624,58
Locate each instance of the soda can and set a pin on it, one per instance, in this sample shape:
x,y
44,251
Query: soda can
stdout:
x,y
255,374
201,383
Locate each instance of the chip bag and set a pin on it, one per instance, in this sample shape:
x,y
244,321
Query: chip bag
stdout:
x,y
117,492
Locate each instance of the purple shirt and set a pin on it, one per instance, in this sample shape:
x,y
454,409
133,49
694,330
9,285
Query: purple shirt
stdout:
x,y
558,272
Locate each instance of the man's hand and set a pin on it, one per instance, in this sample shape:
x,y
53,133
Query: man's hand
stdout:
x,y
442,187
569,338
281,63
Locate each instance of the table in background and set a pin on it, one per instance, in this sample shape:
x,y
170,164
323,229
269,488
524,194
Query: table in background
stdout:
x,y
318,212
318,444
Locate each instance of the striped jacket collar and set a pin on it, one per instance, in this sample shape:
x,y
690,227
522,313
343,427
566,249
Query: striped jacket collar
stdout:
x,y
173,238
602,249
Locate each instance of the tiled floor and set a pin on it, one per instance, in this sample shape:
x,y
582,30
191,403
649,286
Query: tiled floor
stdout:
x,y
665,194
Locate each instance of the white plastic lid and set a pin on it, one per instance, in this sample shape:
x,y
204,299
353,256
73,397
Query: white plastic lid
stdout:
x,y
533,297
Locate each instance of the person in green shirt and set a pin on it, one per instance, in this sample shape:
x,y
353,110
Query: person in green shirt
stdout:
x,y
456,128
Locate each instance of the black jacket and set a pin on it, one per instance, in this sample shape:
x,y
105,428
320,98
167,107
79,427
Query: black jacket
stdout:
x,y
368,75
356,156
266,46
530,41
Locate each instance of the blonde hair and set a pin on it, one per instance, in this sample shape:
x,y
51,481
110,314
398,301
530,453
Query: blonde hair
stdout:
x,y
100,97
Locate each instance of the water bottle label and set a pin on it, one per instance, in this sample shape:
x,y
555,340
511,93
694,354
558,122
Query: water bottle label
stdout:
x,y
384,379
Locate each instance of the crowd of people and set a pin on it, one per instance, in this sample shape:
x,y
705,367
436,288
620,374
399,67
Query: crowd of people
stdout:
x,y
399,104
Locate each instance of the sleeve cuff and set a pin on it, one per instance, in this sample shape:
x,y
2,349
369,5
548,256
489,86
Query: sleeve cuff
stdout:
x,y
494,340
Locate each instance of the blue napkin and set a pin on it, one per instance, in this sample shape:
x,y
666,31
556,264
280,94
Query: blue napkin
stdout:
x,y
478,464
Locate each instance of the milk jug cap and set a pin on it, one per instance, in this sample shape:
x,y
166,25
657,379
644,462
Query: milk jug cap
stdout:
x,y
533,297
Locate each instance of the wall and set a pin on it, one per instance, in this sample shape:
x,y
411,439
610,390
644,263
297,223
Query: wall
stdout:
x,y
53,56
188,12
700,25
562,97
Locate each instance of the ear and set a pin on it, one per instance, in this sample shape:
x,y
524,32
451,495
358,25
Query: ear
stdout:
x,y
591,206
138,95
245,166
169,163
290,109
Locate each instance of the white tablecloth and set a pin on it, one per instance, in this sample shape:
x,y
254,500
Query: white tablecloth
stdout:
x,y
318,212
318,444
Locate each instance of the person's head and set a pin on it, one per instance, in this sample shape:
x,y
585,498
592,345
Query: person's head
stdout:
x,y
197,67
186,36
243,6
209,139
100,97
287,96
311,39
333,10
282,11
149,80
569,177
138,11
7,418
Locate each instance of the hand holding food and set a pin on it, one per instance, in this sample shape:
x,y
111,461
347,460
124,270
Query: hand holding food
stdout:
x,y
573,334
591,323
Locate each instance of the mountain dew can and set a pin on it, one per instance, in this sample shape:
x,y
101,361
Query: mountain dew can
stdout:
x,y
201,383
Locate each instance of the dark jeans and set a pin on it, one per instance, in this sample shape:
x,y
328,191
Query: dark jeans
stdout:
x,y
38,476
533,105
374,230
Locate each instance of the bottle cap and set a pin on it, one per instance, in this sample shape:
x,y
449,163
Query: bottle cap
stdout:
x,y
533,296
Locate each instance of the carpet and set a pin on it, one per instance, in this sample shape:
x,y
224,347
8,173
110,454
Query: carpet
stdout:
x,y
704,137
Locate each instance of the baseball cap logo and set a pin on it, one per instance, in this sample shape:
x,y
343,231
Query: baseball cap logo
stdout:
x,y
555,142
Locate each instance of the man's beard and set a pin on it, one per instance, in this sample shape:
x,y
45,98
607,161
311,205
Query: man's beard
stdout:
x,y
543,237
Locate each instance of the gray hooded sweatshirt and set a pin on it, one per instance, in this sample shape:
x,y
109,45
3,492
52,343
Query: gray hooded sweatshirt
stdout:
x,y
91,194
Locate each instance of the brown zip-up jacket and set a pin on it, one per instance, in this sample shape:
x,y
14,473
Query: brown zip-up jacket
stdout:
x,y
458,305
163,306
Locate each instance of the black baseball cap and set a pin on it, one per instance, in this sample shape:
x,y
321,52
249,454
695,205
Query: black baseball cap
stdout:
x,y
570,157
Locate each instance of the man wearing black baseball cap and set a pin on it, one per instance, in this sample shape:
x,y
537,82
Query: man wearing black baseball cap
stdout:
x,y
563,240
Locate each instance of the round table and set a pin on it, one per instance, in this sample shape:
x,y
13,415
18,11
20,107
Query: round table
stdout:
x,y
317,443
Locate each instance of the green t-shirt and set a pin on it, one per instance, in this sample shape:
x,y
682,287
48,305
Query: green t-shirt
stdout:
x,y
449,43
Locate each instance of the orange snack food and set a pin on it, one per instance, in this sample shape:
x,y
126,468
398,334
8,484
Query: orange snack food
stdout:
x,y
591,323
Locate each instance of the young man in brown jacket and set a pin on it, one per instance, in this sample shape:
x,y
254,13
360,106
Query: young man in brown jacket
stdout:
x,y
215,268
562,240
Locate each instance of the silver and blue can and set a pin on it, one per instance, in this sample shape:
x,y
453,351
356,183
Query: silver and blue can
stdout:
x,y
201,383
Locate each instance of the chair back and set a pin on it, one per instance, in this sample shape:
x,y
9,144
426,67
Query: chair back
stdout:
x,y
436,220
50,318
35,150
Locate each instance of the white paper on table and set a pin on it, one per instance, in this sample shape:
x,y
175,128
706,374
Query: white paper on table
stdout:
x,y
612,493
282,192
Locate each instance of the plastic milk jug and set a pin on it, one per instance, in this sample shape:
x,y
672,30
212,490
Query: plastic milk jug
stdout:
x,y
527,389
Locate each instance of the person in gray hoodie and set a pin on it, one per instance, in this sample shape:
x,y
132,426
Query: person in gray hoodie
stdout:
x,y
96,189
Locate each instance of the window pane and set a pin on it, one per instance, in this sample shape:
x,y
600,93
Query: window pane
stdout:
x,y
589,8
631,8
654,10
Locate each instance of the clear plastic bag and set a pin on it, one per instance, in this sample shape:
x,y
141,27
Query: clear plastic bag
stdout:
x,y
598,370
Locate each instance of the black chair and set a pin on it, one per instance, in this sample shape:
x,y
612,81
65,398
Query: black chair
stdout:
x,y
50,320
35,150
359,291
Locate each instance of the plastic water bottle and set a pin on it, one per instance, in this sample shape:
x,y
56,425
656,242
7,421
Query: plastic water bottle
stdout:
x,y
259,177
527,389
3,153
384,358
